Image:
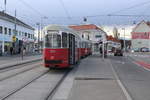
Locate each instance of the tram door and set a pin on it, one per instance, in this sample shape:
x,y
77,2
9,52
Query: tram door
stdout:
x,y
71,49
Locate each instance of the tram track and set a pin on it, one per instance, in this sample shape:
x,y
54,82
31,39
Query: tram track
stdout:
x,y
9,73
53,91
17,73
56,79
21,76
26,84
15,66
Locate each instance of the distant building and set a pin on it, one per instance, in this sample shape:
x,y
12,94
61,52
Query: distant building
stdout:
x,y
141,35
91,32
113,42
14,33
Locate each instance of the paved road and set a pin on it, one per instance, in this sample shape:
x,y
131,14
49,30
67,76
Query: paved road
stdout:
x,y
95,80
6,61
145,57
135,78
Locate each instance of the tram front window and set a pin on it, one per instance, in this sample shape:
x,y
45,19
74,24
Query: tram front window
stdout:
x,y
53,41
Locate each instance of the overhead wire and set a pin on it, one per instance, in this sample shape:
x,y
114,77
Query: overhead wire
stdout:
x,y
27,5
101,15
131,7
66,11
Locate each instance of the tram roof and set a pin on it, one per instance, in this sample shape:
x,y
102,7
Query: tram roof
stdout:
x,y
61,28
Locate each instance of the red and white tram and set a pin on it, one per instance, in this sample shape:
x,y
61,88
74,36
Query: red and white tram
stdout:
x,y
61,47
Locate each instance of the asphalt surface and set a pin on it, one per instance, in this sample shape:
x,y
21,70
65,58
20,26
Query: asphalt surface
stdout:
x,y
135,78
95,80
7,61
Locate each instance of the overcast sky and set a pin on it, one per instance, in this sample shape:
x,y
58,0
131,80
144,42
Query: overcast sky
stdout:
x,y
58,11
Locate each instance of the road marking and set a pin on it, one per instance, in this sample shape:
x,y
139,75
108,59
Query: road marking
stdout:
x,y
120,83
140,66
133,61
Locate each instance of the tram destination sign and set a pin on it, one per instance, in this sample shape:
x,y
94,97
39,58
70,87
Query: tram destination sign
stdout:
x,y
52,31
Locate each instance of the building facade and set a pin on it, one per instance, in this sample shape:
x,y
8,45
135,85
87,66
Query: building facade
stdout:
x,y
141,35
14,33
91,32
113,43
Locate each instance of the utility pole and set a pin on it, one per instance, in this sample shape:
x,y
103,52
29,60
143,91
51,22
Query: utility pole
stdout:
x,y
38,24
124,42
5,3
42,34
103,46
3,42
15,31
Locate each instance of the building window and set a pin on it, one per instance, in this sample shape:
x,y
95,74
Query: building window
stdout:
x,y
9,31
22,33
13,31
5,30
1,29
19,33
98,36
31,36
88,37
25,34
16,33
82,36
28,35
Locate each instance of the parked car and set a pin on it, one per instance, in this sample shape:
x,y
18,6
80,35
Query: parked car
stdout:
x,y
118,52
136,50
144,49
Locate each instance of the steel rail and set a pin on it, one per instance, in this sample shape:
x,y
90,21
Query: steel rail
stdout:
x,y
23,86
14,66
53,91
21,72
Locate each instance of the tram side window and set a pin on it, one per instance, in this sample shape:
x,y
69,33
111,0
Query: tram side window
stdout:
x,y
64,40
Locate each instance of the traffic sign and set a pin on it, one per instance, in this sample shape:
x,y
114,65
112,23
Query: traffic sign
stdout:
x,y
14,38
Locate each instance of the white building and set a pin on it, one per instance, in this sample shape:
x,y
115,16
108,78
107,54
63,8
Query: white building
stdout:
x,y
141,35
12,27
91,32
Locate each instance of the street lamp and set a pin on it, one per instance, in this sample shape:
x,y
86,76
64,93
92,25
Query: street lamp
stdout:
x,y
42,18
38,24
124,43
42,34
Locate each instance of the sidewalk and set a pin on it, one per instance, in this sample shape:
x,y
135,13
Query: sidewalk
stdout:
x,y
6,61
95,80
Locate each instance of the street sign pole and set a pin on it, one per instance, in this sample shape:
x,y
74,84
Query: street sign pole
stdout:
x,y
103,49
22,52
